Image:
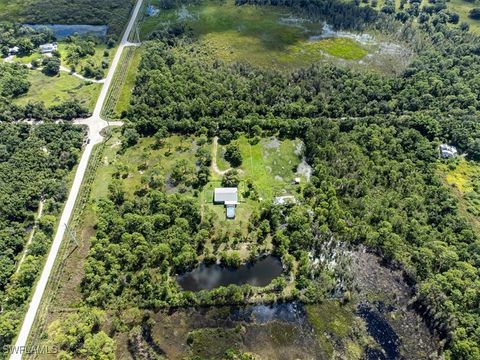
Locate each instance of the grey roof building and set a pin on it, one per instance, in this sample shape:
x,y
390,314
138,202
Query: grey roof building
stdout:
x,y
228,197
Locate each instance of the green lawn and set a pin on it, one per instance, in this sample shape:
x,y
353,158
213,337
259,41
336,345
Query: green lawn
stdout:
x,y
54,90
259,35
270,165
341,47
28,59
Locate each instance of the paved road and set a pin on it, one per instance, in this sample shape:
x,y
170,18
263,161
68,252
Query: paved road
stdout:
x,y
95,125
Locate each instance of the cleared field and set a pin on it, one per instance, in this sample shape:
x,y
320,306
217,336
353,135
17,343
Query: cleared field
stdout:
x,y
54,90
266,36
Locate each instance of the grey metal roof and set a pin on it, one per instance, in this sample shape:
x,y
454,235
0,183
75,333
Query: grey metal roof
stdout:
x,y
223,195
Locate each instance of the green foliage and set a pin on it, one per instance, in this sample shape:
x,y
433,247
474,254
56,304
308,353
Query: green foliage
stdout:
x,y
78,335
114,13
199,94
158,235
22,36
233,155
230,179
13,80
51,65
34,165
475,13
375,181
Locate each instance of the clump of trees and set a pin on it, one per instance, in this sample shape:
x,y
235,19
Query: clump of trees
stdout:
x,y
79,335
233,155
13,80
231,178
51,65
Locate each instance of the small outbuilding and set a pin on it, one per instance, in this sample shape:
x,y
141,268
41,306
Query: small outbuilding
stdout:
x,y
227,197
448,151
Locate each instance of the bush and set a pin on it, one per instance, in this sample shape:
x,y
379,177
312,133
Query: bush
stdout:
x,y
51,66
233,155
475,14
231,179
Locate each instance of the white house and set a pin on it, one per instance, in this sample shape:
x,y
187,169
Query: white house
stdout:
x,y
227,197
48,48
13,50
447,151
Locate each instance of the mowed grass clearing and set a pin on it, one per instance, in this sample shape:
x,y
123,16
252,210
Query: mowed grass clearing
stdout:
x,y
270,165
262,35
463,177
53,90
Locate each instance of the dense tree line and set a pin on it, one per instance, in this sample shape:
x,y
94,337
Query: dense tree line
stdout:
x,y
339,14
383,172
113,13
34,165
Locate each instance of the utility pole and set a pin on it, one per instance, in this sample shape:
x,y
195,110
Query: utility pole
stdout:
x,y
72,235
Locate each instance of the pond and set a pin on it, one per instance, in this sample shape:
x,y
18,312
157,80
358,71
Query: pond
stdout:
x,y
379,328
62,31
207,277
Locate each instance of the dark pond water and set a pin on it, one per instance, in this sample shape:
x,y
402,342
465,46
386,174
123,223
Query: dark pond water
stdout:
x,y
207,277
292,312
382,332
62,31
